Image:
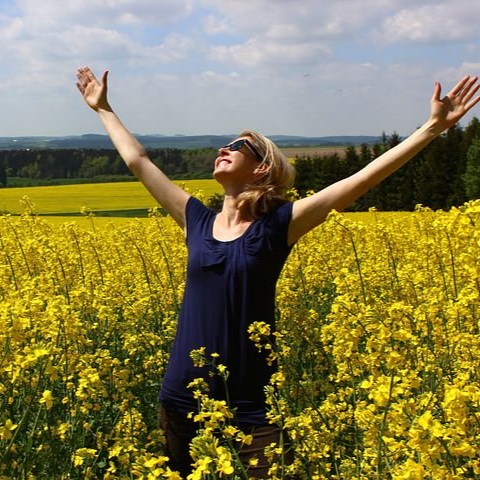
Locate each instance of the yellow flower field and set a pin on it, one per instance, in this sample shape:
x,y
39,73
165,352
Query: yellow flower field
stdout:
x,y
378,345
96,196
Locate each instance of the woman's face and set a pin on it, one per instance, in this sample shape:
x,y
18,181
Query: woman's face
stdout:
x,y
236,162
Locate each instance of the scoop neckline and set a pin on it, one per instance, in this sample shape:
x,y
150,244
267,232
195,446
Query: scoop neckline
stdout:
x,y
233,239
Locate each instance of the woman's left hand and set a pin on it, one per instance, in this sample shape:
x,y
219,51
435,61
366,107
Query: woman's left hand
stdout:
x,y
447,111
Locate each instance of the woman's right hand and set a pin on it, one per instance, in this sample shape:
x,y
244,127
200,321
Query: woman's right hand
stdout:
x,y
93,91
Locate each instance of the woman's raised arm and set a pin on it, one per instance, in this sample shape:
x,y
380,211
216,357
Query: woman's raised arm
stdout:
x,y
169,195
445,112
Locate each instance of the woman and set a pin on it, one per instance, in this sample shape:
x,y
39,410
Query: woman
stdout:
x,y
235,257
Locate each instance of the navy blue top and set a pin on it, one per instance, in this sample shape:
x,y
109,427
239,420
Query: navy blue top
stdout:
x,y
229,285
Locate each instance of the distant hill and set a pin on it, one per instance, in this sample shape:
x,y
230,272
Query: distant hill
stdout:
x,y
93,141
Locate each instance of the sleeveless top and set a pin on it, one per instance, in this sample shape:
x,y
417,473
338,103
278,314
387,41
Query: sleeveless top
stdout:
x,y
229,285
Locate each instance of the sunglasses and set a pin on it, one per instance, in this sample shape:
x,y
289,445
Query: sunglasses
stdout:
x,y
238,144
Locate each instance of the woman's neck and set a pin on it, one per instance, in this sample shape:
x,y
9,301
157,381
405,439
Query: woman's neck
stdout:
x,y
235,211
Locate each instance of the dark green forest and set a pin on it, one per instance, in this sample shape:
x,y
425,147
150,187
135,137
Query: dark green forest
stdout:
x,y
446,173
55,166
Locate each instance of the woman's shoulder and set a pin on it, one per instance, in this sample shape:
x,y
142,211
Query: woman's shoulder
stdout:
x,y
194,205
277,219
198,215
281,212
270,232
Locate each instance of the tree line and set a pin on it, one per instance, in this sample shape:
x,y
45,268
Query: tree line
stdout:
x,y
446,173
45,165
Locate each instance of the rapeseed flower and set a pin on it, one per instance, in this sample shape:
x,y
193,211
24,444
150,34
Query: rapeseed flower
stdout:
x,y
6,430
376,342
47,399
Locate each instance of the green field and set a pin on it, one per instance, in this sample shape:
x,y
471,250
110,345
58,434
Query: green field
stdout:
x,y
127,199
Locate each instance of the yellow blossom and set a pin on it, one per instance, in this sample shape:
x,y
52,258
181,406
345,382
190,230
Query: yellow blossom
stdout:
x,y
6,429
47,399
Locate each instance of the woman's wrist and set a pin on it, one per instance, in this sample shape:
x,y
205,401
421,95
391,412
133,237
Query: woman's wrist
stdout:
x,y
432,128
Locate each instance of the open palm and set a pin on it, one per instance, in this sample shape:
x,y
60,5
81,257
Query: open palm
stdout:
x,y
450,109
93,91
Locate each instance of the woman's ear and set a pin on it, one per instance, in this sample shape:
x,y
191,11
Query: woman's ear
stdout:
x,y
261,170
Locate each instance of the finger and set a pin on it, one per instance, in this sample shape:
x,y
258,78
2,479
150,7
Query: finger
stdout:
x,y
469,94
79,74
82,76
459,86
85,75
436,92
105,78
468,90
80,87
89,74
82,71
473,102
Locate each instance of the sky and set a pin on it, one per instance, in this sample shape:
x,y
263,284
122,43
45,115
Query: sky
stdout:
x,y
198,67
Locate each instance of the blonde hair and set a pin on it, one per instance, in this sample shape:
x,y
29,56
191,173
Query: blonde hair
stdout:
x,y
270,190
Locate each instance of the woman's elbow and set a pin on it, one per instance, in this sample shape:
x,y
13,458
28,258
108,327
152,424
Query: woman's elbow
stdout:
x,y
138,161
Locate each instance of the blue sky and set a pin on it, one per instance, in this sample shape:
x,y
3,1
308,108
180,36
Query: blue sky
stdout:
x,y
300,67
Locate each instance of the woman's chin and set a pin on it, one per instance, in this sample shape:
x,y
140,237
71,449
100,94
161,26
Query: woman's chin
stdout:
x,y
218,174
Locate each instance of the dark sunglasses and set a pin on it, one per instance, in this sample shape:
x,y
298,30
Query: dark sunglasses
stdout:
x,y
238,144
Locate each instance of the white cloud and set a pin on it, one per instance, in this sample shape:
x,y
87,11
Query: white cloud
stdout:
x,y
100,12
291,20
210,66
332,21
216,25
46,37
255,53
451,20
